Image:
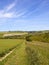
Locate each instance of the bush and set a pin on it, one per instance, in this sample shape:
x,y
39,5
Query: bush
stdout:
x,y
29,38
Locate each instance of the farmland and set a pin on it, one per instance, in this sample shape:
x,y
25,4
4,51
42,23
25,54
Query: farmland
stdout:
x,y
7,45
27,51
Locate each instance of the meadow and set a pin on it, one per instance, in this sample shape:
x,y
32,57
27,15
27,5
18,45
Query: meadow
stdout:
x,y
28,51
38,53
7,45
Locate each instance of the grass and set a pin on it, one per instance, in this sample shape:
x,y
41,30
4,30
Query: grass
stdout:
x,y
26,53
42,51
8,44
18,57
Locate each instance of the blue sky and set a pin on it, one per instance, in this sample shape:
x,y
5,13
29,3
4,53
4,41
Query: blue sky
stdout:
x,y
24,15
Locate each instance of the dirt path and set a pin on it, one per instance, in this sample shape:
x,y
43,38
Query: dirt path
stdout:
x,y
1,59
18,57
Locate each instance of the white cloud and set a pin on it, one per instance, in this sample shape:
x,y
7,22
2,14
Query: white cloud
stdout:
x,y
13,14
10,6
6,12
8,15
20,14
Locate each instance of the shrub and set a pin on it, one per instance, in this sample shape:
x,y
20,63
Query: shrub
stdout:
x,y
29,38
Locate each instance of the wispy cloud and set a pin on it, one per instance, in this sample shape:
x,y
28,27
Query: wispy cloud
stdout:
x,y
9,7
12,14
6,12
20,14
8,15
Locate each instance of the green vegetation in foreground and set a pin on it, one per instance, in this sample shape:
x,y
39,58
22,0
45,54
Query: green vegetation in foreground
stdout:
x,y
7,45
33,51
18,57
28,53
38,53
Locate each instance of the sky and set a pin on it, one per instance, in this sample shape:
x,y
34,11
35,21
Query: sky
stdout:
x,y
24,15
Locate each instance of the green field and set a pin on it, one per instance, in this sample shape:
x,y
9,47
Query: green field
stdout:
x,y
6,44
41,53
25,53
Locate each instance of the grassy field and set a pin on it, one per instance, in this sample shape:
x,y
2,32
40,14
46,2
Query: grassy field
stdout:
x,y
7,45
26,53
18,55
39,53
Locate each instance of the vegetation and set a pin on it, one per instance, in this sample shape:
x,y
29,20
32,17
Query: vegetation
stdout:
x,y
28,53
7,45
29,38
13,35
32,56
29,49
37,53
42,37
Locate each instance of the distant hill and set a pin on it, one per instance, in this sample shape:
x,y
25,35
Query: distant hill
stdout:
x,y
37,35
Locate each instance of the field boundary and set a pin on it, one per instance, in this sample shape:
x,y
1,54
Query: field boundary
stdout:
x,y
2,58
